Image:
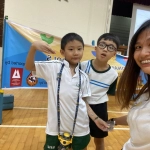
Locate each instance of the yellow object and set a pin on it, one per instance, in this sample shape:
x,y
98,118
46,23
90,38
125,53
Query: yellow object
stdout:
x,y
1,91
65,139
66,134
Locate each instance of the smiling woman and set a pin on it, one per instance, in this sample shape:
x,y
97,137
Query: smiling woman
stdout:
x,y
138,116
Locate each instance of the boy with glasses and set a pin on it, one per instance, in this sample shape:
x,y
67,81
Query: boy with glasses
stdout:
x,y
103,80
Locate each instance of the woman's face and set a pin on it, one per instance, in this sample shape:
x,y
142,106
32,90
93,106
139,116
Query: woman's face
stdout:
x,y
142,51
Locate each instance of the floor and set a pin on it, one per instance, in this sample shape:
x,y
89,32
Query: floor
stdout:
x,y
23,128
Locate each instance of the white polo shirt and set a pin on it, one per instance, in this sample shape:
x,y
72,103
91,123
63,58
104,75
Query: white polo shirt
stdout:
x,y
68,94
139,123
101,82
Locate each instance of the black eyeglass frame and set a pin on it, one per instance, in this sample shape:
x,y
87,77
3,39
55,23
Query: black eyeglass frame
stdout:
x,y
105,45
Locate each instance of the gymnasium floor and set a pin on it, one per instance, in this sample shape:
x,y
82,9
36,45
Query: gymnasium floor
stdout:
x,y
23,128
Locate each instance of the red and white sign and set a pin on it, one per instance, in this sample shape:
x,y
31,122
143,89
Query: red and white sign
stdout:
x,y
16,76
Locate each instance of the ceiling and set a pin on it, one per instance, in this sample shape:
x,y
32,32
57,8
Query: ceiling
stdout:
x,y
122,8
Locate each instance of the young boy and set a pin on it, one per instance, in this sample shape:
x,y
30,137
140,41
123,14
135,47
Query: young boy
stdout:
x,y
68,120
103,79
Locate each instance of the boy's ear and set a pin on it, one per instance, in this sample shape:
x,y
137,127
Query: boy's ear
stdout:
x,y
95,48
115,53
62,52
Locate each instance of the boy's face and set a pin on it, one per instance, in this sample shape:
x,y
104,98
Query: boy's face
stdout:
x,y
105,50
73,52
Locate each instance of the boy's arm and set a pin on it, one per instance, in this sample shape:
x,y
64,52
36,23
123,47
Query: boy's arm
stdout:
x,y
30,59
37,45
98,121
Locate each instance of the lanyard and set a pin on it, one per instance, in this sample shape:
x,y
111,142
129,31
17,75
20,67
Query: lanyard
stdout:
x,y
58,102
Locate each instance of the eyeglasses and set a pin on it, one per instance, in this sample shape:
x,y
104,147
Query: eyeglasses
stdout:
x,y
110,48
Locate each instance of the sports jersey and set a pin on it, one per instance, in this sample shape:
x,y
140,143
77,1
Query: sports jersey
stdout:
x,y
101,82
69,86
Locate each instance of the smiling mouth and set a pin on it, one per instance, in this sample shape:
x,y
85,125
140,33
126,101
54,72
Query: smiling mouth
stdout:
x,y
145,61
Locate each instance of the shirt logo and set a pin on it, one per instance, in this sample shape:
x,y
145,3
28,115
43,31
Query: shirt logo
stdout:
x,y
50,147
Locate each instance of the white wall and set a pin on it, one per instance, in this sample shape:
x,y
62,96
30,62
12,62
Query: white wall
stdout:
x,y
89,18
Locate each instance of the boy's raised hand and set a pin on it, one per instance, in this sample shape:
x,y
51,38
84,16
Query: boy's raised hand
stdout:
x,y
43,47
101,124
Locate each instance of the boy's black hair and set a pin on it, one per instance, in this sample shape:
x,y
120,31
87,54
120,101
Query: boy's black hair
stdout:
x,y
111,37
70,37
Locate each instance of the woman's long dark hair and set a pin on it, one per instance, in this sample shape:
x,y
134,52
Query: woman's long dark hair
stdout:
x,y
128,82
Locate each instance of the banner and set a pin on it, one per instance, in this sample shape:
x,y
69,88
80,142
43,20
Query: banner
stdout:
x,y
17,41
